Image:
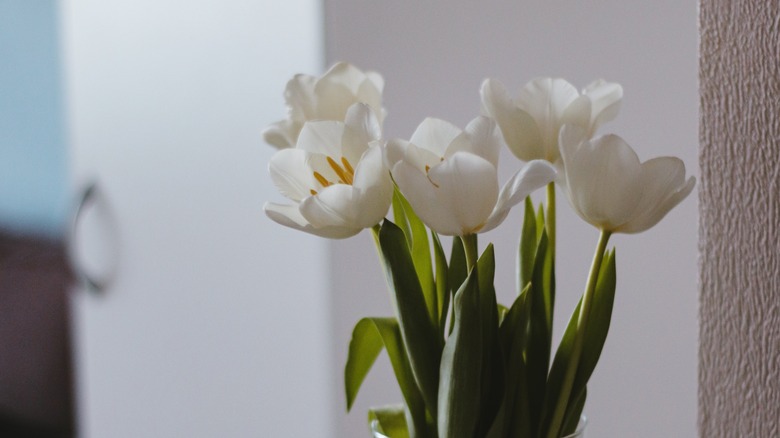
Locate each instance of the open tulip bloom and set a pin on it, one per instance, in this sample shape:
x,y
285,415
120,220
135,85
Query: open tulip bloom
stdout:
x,y
466,365
325,98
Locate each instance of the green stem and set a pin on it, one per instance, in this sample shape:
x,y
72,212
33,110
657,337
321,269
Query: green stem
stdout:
x,y
582,325
470,248
550,217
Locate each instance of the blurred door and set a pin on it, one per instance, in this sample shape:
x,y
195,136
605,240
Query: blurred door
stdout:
x,y
204,325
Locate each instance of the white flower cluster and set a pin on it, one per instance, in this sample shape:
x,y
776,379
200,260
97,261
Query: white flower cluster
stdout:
x,y
335,166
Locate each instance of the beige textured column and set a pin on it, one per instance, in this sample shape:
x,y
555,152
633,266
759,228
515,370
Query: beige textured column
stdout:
x,y
739,376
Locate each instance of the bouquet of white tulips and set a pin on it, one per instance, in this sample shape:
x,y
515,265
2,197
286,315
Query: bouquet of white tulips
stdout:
x,y
466,365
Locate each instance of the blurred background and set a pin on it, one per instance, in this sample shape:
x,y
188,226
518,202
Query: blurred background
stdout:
x,y
173,307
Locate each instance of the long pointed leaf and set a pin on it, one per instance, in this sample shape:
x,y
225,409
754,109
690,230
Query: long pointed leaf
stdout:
x,y
419,334
593,342
598,322
512,334
528,242
492,384
442,283
539,336
461,363
417,239
457,272
572,418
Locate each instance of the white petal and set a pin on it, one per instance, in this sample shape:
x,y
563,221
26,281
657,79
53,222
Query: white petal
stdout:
x,y
371,171
333,206
423,197
664,186
289,216
532,176
376,79
437,136
374,188
394,151
362,128
519,129
322,137
604,180
485,139
299,95
468,187
369,94
546,100
342,74
578,113
278,135
605,99
291,173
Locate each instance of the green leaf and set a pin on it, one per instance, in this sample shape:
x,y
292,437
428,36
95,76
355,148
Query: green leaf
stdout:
x,y
572,418
528,243
399,216
457,271
593,343
419,335
417,239
540,223
364,348
502,311
458,268
492,379
368,338
513,337
461,366
391,421
538,343
442,285
558,370
598,321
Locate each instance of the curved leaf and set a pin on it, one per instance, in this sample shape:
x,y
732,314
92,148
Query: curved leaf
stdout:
x,y
417,239
419,335
391,421
461,365
368,338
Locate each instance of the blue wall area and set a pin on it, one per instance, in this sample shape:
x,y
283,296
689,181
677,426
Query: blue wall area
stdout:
x,y
33,154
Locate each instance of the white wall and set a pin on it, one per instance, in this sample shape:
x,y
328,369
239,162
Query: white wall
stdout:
x,y
215,324
434,56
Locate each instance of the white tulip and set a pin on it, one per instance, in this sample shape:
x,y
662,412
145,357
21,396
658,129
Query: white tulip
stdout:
x,y
609,188
327,98
450,176
531,123
335,176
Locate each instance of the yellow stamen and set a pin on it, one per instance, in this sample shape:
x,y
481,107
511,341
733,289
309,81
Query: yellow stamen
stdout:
x,y
321,179
313,192
427,168
346,177
347,166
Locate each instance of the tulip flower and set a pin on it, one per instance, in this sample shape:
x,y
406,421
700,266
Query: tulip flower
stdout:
x,y
327,98
531,123
450,176
609,188
335,176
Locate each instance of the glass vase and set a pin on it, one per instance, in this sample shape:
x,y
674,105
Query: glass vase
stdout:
x,y
578,433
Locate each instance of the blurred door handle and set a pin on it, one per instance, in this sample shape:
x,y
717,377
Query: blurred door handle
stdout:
x,y
94,256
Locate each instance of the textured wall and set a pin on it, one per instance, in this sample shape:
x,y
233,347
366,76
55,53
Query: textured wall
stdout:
x,y
739,391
